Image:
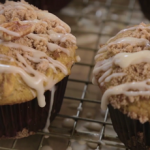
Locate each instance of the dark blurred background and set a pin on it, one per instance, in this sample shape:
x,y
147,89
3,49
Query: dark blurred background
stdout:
x,y
50,5
56,5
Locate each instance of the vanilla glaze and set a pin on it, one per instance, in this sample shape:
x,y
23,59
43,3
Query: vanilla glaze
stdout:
x,y
36,80
123,60
50,109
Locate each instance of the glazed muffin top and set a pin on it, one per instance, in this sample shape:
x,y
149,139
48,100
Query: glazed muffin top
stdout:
x,y
36,51
122,72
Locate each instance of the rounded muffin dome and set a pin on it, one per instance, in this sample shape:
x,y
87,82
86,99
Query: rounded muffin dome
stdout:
x,y
37,52
36,46
122,72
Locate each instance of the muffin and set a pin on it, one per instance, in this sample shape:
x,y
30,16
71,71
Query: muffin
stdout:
x,y
37,52
144,4
122,72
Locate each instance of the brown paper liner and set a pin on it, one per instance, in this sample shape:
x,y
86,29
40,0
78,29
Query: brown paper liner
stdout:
x,y
25,118
132,133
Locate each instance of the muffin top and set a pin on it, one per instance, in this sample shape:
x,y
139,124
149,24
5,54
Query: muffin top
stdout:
x,y
122,72
36,52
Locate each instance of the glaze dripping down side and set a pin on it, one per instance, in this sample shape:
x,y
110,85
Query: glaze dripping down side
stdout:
x,y
104,71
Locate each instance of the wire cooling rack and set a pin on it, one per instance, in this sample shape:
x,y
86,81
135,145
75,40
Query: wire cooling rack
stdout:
x,y
93,22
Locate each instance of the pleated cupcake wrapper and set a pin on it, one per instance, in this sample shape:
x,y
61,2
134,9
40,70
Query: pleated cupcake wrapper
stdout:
x,y
28,115
132,133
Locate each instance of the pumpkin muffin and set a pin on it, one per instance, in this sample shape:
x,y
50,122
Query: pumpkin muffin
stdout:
x,y
122,72
37,52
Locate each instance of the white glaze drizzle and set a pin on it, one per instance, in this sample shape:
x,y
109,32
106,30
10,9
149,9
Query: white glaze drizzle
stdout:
x,y
130,29
122,60
40,80
36,54
37,60
94,81
103,66
34,82
52,47
9,32
106,74
128,40
114,75
107,63
46,15
62,37
5,57
37,81
33,78
98,55
21,22
61,28
124,89
50,109
33,21
36,37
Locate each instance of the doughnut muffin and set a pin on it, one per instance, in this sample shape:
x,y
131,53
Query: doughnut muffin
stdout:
x,y
122,72
37,52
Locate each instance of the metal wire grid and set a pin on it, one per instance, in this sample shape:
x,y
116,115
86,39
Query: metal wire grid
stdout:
x,y
74,134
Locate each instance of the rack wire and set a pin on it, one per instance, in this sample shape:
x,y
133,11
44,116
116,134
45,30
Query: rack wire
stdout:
x,y
80,91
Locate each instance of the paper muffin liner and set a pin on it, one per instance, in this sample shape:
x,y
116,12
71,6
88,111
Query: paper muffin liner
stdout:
x,y
132,133
21,120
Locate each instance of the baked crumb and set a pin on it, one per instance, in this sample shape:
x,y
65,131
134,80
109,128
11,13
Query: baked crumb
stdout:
x,y
136,106
26,33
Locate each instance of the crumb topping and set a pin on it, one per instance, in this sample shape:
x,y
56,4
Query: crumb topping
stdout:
x,y
35,44
110,73
14,18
